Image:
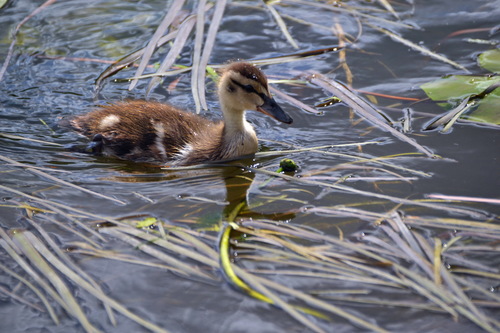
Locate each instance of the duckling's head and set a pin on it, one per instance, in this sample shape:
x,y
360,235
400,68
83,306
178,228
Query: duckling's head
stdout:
x,y
244,87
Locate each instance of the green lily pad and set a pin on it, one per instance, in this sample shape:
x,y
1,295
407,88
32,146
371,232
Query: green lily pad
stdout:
x,y
488,110
490,60
458,87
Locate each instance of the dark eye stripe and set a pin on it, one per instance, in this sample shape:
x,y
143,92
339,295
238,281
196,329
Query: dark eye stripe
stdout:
x,y
246,87
250,89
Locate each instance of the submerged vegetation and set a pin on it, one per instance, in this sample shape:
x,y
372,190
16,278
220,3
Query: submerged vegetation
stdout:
x,y
431,263
423,253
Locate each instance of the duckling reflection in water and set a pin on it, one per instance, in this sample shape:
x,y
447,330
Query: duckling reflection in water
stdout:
x,y
155,132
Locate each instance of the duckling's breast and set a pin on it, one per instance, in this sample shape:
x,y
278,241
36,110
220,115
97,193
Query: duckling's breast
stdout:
x,y
214,143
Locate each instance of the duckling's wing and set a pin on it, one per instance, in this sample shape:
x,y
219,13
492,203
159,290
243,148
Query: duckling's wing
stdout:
x,y
141,130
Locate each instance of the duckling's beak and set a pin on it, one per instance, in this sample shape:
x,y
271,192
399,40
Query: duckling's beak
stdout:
x,y
271,108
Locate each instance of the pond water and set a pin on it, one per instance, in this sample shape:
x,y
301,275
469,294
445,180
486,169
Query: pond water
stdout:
x,y
51,76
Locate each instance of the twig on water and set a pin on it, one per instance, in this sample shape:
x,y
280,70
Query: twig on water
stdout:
x,y
14,35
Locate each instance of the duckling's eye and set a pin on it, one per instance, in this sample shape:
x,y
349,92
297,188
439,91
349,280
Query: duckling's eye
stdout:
x,y
249,88
246,87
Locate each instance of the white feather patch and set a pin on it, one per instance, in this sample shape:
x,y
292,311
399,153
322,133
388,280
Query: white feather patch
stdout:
x,y
184,152
108,121
160,135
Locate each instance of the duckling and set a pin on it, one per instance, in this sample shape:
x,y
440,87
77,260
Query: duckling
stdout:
x,y
160,133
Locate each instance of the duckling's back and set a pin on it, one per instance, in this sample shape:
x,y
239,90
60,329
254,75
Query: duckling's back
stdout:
x,y
147,131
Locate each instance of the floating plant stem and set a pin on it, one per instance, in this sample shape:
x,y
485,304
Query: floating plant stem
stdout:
x,y
57,180
281,24
179,42
172,12
364,109
419,48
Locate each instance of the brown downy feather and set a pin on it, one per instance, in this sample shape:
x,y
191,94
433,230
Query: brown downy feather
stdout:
x,y
155,132
135,129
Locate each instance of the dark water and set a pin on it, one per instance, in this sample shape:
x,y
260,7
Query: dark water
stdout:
x,y
37,91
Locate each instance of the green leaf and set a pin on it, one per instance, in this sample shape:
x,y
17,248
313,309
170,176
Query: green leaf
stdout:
x,y
490,60
488,110
146,223
458,87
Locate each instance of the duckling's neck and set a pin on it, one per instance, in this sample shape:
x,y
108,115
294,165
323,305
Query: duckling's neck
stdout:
x,y
235,121
239,135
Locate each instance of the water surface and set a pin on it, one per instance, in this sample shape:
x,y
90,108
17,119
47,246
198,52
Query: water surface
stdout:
x,y
39,89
